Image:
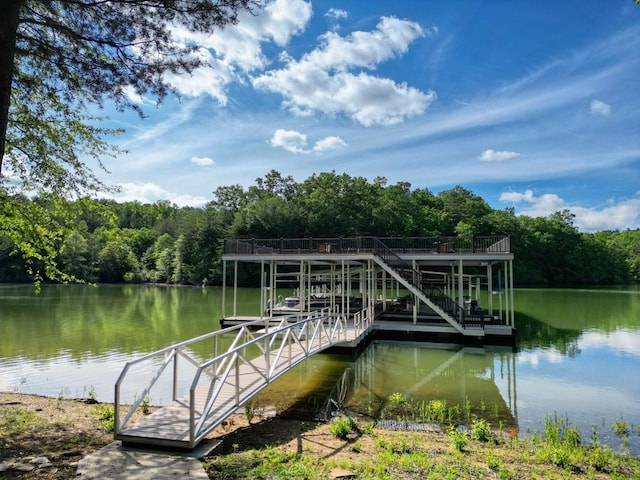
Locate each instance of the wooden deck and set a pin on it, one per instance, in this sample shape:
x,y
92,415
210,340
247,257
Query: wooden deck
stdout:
x,y
219,396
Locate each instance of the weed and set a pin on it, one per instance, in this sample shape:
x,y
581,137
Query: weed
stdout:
x,y
621,429
14,421
560,456
368,429
106,415
92,394
572,437
467,408
481,430
553,429
594,434
342,427
602,458
146,403
437,410
493,462
62,394
458,437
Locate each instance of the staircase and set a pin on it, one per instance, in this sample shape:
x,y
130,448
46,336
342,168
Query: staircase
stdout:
x,y
435,297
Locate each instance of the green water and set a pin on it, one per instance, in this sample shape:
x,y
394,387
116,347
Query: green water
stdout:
x,y
578,354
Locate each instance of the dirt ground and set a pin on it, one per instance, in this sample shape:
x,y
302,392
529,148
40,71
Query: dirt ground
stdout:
x,y
44,438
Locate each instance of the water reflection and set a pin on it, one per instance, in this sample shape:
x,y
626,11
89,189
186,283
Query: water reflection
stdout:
x,y
577,354
478,381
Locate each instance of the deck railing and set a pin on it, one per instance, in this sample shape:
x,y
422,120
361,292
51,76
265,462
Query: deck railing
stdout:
x,y
351,245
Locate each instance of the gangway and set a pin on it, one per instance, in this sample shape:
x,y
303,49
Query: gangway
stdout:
x,y
261,351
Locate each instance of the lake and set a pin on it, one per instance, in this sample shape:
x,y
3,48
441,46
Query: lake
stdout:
x,y
578,354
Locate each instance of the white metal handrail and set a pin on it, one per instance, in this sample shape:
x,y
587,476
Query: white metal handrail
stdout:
x,y
282,342
171,354
310,335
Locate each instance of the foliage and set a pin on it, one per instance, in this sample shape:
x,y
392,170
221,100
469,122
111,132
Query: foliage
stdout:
x,y
15,420
104,241
106,414
343,426
481,430
58,62
458,437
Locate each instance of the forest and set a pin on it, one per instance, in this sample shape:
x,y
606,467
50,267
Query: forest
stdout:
x,y
112,242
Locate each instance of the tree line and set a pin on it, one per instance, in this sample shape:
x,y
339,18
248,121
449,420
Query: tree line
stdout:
x,y
110,242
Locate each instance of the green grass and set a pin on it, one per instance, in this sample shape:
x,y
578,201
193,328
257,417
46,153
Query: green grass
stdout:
x,y
15,420
456,450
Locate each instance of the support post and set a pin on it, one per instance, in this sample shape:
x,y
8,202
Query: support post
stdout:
x,y
224,287
460,289
513,315
490,288
235,288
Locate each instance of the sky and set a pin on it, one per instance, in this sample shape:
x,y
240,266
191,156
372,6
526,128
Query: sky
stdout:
x,y
531,105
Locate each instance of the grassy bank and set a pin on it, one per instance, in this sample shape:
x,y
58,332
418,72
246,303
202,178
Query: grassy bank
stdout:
x,y
350,448
252,447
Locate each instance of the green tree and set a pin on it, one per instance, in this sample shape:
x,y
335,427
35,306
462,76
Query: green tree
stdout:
x,y
75,255
461,205
57,58
118,263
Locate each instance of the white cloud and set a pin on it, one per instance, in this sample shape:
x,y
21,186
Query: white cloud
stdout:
x,y
329,143
534,357
600,108
132,96
237,49
152,193
211,80
296,142
202,161
624,214
336,13
621,340
290,140
322,82
490,155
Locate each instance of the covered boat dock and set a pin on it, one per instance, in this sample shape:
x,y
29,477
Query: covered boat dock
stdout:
x,y
451,289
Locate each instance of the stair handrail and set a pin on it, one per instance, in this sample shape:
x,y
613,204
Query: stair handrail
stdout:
x,y
436,295
393,260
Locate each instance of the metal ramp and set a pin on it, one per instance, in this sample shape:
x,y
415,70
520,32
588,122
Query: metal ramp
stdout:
x,y
445,307
260,352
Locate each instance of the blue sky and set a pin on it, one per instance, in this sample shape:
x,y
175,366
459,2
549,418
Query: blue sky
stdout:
x,y
531,105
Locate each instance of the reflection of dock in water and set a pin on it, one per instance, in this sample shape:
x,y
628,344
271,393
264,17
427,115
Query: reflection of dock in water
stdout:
x,y
482,380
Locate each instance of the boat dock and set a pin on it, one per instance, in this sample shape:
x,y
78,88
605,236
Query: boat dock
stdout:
x,y
422,288
348,291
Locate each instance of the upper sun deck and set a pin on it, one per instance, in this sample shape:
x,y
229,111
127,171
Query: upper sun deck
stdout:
x,y
427,249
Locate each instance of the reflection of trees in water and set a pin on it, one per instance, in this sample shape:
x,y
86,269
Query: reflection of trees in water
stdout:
x,y
533,333
465,378
82,320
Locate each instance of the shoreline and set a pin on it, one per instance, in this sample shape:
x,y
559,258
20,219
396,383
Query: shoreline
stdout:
x,y
47,437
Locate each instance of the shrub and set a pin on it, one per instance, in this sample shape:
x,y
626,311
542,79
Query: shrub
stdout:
x,y
458,437
342,427
481,430
107,417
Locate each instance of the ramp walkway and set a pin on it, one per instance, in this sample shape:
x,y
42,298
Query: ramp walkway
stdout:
x,y
260,352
